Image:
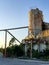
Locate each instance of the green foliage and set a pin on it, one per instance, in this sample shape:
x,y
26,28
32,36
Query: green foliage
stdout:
x,y
14,51
41,55
35,54
8,51
1,50
46,52
11,41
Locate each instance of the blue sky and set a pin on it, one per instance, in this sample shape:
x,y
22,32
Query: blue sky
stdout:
x,y
14,13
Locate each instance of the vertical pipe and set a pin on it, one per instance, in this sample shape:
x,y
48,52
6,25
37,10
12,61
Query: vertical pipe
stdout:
x,y
25,50
5,41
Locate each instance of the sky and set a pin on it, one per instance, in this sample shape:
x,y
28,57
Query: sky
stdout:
x,y
14,13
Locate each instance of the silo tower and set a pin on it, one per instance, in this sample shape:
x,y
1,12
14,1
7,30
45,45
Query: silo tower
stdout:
x,y
35,19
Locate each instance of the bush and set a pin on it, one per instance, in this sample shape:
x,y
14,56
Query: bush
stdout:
x,y
35,54
14,51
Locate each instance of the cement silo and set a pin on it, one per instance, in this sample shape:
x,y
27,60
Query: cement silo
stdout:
x,y
35,19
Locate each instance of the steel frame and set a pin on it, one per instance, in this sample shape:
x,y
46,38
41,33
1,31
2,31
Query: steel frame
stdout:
x,y
7,30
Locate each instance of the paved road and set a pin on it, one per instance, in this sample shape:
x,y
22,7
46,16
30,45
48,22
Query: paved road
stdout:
x,y
11,61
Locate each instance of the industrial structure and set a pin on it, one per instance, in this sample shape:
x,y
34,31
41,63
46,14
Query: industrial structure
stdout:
x,y
38,32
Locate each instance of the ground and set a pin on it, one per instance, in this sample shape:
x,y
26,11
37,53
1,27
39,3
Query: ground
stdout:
x,y
14,61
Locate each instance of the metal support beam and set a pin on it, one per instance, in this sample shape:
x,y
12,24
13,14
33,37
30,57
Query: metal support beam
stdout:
x,y
13,36
5,41
14,28
26,49
6,30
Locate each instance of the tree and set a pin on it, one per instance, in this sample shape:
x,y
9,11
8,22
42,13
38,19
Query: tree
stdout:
x,y
14,50
11,41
